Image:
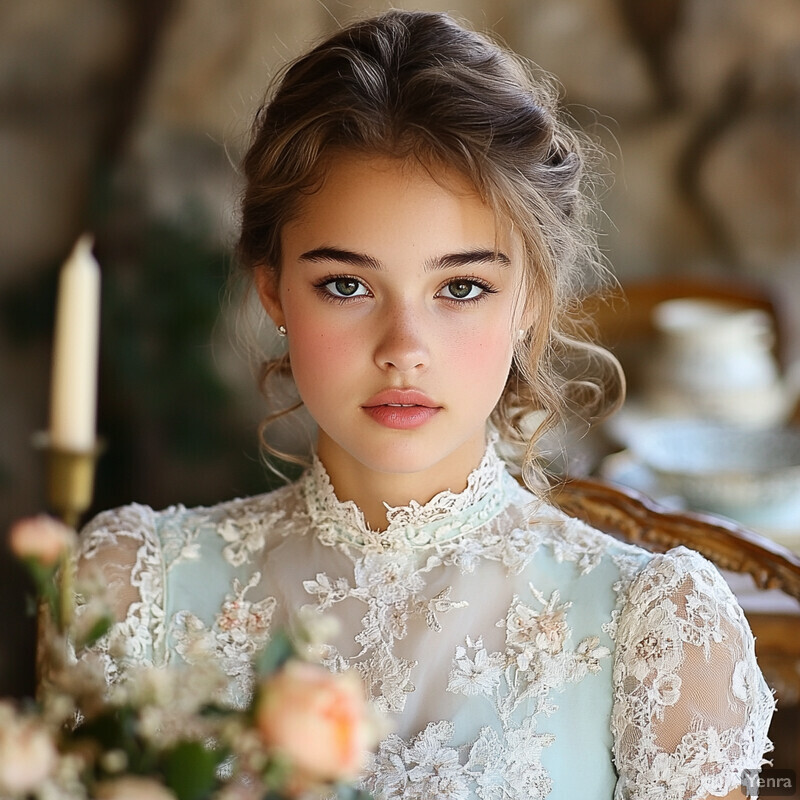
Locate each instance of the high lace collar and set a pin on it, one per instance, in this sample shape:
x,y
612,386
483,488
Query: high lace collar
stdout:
x,y
416,526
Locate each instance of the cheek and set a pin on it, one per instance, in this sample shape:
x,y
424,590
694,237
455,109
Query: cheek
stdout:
x,y
320,355
482,357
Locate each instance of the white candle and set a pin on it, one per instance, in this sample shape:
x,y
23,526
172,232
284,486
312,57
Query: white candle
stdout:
x,y
73,407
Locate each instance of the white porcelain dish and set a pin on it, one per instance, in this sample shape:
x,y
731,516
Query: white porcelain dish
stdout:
x,y
751,475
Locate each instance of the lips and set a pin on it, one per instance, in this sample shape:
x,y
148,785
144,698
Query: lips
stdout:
x,y
401,397
401,409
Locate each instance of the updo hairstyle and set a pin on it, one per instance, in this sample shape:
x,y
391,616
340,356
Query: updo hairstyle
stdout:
x,y
416,85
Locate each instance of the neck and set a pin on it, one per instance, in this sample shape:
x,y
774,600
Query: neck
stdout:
x,y
371,489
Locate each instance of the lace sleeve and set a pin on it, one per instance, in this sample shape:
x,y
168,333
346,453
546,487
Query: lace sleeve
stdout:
x,y
119,552
691,707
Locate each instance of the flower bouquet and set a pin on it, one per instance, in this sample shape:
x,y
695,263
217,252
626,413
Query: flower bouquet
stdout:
x,y
160,734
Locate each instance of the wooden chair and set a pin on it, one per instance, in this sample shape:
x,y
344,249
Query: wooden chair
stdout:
x,y
631,516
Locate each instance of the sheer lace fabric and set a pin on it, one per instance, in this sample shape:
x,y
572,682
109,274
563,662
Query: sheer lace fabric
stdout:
x,y
517,652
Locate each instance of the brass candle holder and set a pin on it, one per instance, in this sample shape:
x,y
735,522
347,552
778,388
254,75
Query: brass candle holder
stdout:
x,y
69,490
70,478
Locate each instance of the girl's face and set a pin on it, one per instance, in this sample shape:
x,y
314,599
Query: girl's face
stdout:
x,y
400,297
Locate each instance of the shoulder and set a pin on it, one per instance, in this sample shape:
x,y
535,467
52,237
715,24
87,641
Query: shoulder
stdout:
x,y
571,539
681,596
138,523
123,528
680,573
652,571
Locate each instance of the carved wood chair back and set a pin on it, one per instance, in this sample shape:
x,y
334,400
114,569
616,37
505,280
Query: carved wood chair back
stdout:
x,y
634,517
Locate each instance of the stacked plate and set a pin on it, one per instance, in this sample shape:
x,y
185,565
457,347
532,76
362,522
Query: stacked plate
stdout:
x,y
751,475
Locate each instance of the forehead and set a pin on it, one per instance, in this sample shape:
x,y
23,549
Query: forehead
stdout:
x,y
376,201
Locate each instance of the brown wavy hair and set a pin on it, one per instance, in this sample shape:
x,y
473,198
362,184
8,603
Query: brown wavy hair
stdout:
x,y
410,84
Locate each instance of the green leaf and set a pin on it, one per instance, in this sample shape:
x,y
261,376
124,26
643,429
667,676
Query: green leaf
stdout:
x,y
45,582
100,628
279,650
190,770
216,710
114,729
118,729
346,791
276,773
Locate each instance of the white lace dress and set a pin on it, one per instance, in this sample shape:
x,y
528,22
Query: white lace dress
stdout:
x,y
518,652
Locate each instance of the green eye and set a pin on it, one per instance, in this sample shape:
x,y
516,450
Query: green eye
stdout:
x,y
345,287
463,290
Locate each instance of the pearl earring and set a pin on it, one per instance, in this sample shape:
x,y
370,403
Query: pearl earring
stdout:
x,y
281,330
521,334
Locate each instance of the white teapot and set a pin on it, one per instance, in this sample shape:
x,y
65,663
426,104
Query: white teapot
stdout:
x,y
715,360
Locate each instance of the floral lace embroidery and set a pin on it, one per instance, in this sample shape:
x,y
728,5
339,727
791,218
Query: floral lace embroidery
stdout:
x,y
239,631
390,585
429,766
246,528
391,589
179,541
143,629
683,610
534,664
507,764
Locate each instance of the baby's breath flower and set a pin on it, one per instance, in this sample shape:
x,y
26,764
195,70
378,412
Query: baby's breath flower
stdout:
x,y
114,761
312,633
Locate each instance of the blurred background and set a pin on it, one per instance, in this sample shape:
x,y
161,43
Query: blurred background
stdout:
x,y
127,118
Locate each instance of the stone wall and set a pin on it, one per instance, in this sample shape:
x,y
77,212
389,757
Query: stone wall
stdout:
x,y
127,114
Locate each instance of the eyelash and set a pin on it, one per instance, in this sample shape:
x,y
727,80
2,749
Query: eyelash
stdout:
x,y
322,290
485,287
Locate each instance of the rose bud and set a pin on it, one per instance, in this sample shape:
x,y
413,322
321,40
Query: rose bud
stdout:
x,y
318,721
41,538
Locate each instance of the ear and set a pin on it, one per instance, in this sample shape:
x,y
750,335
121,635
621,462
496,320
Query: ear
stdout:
x,y
266,283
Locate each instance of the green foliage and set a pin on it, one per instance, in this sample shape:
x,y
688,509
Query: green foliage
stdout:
x,y
348,792
158,315
27,307
100,628
277,652
44,579
190,770
276,775
118,730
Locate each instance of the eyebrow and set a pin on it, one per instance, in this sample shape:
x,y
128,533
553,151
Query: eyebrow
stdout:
x,y
449,261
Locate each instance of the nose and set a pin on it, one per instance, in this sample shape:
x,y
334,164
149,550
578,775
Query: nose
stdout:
x,y
402,344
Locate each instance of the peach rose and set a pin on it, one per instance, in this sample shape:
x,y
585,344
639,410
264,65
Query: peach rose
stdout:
x,y
41,538
317,720
27,756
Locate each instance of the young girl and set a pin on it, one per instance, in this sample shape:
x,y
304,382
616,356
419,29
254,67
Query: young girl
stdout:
x,y
414,225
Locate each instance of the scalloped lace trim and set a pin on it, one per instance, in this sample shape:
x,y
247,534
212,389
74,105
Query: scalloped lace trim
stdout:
x,y
415,526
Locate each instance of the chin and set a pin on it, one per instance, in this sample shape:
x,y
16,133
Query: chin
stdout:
x,y
413,455
399,460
